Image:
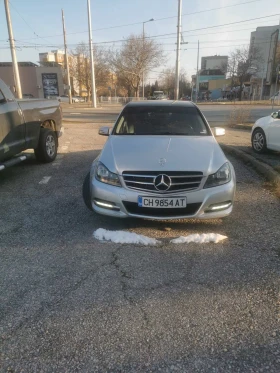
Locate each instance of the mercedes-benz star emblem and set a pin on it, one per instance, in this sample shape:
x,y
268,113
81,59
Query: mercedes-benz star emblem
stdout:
x,y
162,182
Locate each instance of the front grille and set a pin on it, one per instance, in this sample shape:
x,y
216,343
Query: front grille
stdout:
x,y
180,180
133,208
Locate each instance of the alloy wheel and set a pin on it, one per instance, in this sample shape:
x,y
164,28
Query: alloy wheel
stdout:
x,y
50,145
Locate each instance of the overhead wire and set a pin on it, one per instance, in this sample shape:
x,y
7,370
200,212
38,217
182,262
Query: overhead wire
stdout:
x,y
28,25
156,20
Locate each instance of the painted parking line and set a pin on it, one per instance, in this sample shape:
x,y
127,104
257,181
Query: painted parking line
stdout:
x,y
45,180
75,113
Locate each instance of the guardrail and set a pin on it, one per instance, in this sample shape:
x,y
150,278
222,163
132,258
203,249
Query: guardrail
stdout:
x,y
119,100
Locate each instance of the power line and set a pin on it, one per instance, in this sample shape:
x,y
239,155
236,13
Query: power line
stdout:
x,y
218,32
26,22
202,28
210,10
156,36
159,19
36,45
215,46
165,50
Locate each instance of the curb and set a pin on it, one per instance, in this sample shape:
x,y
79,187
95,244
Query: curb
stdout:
x,y
263,169
241,127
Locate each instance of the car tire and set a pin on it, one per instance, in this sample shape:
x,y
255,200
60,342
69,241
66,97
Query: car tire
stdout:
x,y
47,146
259,141
86,192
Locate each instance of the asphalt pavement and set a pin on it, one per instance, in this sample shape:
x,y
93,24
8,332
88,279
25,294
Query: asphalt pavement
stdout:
x,y
215,114
69,303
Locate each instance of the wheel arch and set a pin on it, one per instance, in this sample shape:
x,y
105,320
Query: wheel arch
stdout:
x,y
49,123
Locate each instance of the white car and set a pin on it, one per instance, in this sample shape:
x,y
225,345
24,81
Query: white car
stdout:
x,y
266,133
63,98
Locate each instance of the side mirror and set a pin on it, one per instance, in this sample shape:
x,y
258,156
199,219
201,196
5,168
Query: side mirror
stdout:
x,y
104,131
275,115
219,131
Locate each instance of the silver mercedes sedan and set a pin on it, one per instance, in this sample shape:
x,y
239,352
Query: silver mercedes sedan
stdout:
x,y
161,161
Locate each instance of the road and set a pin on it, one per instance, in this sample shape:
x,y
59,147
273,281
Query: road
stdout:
x,y
69,303
215,114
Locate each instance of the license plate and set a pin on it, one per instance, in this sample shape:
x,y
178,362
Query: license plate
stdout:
x,y
161,203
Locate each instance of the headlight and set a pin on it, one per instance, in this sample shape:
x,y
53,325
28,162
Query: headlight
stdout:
x,y
222,176
105,176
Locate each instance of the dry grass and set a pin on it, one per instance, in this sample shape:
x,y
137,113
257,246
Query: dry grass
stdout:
x,y
248,103
239,115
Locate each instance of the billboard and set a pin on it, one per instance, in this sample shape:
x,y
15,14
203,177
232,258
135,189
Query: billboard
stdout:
x,y
50,84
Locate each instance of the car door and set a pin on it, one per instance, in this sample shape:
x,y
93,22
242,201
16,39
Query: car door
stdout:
x,y
12,127
274,133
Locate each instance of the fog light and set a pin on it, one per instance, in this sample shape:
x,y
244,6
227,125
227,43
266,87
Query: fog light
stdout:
x,y
219,206
106,204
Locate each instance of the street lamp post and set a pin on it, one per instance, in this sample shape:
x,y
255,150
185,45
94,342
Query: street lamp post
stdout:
x,y
93,90
150,20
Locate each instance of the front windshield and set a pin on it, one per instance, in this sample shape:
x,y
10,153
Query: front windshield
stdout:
x,y
161,120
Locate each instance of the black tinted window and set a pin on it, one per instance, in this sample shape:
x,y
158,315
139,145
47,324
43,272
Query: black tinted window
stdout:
x,y
161,120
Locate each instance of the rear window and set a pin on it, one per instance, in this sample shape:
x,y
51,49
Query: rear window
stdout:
x,y
161,120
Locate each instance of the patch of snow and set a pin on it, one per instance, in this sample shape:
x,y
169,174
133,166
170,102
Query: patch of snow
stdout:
x,y
200,238
123,237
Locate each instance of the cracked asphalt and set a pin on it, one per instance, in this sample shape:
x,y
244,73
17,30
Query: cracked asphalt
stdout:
x,y
69,303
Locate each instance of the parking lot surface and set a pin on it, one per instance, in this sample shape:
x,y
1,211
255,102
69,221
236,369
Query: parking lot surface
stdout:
x,y
70,303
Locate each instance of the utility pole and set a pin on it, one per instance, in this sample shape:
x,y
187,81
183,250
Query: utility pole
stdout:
x,y
93,91
143,74
66,60
13,51
143,84
197,73
177,77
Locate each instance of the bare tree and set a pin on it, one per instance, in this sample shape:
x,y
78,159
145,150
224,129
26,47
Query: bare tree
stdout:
x,y
167,82
81,72
133,58
243,63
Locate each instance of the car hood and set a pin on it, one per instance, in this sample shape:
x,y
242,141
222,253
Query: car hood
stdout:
x,y
162,153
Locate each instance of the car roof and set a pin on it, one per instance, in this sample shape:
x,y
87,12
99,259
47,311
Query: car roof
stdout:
x,y
160,103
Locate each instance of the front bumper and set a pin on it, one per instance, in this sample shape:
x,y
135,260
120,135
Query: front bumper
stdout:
x,y
125,202
60,132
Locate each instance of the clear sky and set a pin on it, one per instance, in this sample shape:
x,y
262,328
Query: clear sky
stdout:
x,y
37,25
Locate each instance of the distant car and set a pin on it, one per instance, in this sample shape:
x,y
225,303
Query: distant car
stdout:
x,y
78,99
266,133
81,99
27,95
63,98
185,98
161,161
